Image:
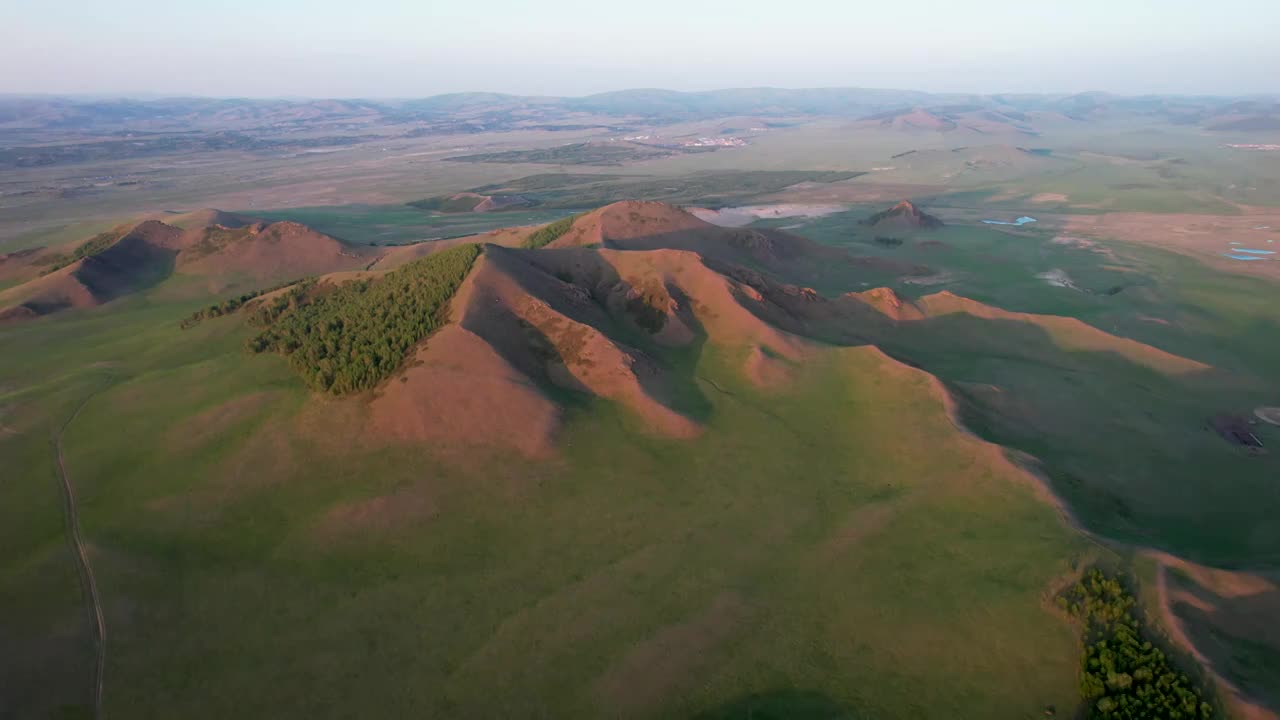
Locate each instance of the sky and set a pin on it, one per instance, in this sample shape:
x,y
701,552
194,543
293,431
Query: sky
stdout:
x,y
415,48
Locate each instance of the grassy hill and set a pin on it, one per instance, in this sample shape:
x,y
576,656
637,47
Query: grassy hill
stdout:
x,y
644,470
215,249
259,515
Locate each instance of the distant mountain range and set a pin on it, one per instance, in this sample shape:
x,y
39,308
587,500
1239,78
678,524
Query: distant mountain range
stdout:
x,y
472,112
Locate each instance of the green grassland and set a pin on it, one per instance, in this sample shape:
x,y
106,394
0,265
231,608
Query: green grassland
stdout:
x,y
578,154
448,204
546,181
1128,447
712,189
833,548
400,224
1126,168
802,548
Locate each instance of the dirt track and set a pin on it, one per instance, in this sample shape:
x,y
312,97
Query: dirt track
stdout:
x,y
82,556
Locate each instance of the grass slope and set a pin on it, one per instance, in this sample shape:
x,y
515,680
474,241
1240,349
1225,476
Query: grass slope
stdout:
x,y
1127,446
832,543
260,556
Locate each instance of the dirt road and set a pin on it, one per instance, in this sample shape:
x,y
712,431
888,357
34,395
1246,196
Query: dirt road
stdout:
x,y
87,580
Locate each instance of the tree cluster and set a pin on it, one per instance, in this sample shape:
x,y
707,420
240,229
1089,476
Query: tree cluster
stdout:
x,y
267,311
1123,676
92,246
231,305
551,232
353,337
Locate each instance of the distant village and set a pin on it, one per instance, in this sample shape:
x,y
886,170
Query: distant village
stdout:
x,y
1263,148
725,141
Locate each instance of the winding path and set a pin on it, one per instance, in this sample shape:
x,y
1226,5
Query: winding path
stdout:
x,y
82,556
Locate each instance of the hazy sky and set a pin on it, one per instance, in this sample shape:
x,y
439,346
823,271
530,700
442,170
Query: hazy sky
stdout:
x,y
381,48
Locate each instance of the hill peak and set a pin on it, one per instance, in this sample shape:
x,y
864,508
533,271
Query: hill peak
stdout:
x,y
649,207
629,220
203,218
904,215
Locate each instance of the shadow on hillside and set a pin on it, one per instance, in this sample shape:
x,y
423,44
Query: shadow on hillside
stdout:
x,y
129,266
1122,429
787,257
582,294
781,705
1237,634
584,286
1126,444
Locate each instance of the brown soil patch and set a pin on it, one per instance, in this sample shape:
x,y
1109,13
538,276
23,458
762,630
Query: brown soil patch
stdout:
x,y
673,658
459,391
1047,197
278,251
1205,237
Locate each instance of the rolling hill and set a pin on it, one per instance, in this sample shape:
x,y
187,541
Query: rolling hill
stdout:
x,y
220,249
903,216
627,464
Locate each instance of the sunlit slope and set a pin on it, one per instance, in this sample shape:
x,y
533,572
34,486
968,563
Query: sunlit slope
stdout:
x,y
831,536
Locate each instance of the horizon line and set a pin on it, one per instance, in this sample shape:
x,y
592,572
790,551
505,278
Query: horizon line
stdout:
x,y
146,96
